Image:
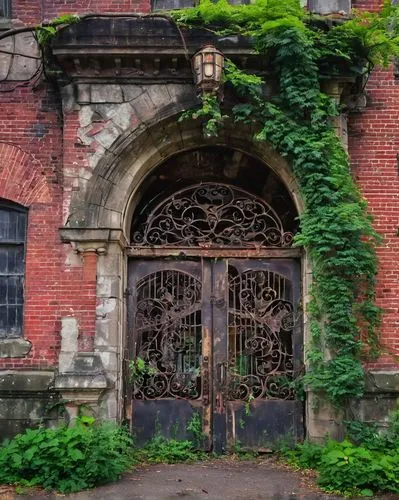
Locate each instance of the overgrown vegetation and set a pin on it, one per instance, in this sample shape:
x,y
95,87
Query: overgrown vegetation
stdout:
x,y
365,463
67,459
88,453
162,450
298,121
47,31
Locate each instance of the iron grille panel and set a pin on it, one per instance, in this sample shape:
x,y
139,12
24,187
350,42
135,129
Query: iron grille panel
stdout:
x,y
168,335
260,329
213,215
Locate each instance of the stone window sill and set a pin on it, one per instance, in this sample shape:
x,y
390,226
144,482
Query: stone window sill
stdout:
x,y
14,348
5,24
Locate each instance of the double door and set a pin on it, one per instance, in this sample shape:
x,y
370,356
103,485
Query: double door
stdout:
x,y
216,344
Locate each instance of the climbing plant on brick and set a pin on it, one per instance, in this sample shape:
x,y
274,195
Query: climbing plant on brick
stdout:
x,y
335,227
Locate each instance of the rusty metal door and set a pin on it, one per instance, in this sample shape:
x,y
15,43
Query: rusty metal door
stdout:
x,y
217,338
257,354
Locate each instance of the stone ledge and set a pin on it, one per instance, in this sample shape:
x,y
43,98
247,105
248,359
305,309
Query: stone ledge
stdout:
x,y
72,382
14,348
26,381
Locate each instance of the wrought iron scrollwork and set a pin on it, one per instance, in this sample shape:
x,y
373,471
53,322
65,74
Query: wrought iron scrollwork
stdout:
x,y
260,336
213,214
168,335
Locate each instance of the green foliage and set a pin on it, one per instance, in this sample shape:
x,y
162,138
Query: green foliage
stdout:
x,y
46,32
196,428
369,436
364,463
140,368
170,451
66,459
209,112
335,227
348,468
306,455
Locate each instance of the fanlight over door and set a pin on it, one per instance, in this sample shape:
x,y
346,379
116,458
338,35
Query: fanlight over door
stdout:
x,y
209,215
215,337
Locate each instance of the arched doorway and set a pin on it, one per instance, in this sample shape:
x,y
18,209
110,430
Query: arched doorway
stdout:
x,y
214,317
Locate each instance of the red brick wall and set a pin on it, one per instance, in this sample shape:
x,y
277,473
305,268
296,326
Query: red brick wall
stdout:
x,y
374,146
370,5
35,11
31,146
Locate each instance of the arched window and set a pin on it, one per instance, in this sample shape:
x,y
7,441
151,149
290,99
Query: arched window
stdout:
x,y
13,222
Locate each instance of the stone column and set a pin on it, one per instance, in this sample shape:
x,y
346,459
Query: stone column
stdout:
x,y
90,252
82,378
110,335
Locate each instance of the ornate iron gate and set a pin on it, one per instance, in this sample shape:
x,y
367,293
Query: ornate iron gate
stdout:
x,y
217,337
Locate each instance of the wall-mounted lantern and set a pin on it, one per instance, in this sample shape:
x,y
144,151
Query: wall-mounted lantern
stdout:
x,y
208,69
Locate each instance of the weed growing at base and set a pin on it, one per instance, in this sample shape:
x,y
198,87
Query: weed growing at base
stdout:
x,y
67,459
363,464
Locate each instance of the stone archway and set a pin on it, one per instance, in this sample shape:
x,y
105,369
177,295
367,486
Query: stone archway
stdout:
x,y
105,213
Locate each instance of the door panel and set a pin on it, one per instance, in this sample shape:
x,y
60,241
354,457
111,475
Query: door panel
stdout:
x,y
262,310
219,338
167,346
264,425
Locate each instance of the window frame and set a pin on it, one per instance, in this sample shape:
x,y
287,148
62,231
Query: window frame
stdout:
x,y
7,5
9,206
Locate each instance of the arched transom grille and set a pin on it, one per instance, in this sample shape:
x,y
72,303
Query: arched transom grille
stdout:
x,y
212,214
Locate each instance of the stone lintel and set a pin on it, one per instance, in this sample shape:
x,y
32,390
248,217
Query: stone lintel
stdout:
x,y
14,348
83,383
85,364
342,7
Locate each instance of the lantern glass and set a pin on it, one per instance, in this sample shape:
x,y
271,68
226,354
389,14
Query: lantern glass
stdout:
x,y
207,69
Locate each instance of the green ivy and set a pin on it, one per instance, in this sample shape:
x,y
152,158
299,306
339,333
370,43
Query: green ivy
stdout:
x,y
46,32
335,227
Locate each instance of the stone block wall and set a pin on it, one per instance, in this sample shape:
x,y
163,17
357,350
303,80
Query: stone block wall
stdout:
x,y
27,399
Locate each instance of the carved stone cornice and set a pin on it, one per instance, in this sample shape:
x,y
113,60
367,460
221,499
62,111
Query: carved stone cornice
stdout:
x,y
144,49
119,49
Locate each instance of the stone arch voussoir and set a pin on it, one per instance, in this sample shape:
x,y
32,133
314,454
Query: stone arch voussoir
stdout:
x,y
111,192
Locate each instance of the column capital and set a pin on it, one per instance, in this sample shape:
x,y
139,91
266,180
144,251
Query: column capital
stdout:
x,y
88,240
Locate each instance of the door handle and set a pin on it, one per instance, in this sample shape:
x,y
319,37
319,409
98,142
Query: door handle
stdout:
x,y
221,370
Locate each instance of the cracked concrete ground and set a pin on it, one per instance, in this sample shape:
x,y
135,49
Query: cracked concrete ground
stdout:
x,y
225,478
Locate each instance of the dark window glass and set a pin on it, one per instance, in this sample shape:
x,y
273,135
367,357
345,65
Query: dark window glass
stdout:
x,y
5,8
13,221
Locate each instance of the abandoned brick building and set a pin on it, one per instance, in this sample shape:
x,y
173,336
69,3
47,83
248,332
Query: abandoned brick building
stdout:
x,y
95,173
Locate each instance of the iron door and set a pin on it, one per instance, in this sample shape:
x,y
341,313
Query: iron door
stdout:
x,y
168,345
217,338
257,354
